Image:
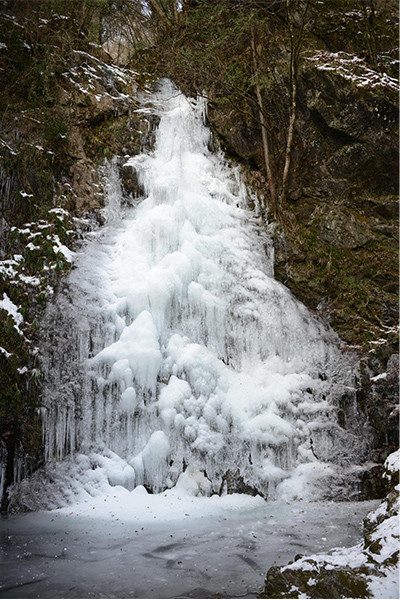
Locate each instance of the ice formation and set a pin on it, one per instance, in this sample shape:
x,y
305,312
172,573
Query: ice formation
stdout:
x,y
172,353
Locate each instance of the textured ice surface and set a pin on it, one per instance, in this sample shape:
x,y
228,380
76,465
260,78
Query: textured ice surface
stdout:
x,y
171,345
173,545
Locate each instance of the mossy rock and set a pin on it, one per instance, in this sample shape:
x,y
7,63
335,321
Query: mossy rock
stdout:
x,y
321,583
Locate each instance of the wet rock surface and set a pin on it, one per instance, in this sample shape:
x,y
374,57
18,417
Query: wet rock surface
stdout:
x,y
379,401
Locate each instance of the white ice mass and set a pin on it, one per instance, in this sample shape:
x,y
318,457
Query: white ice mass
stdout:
x,y
173,355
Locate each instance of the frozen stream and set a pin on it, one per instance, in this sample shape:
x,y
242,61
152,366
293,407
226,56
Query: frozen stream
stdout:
x,y
169,546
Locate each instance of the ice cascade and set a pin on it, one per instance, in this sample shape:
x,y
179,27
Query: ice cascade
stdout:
x,y
172,354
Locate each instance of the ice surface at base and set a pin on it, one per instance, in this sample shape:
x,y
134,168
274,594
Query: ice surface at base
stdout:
x,y
176,349
124,544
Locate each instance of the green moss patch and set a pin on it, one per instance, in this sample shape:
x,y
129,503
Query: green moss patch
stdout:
x,y
354,288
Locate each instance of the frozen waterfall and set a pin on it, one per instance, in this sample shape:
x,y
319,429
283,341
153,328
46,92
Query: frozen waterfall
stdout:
x,y
172,354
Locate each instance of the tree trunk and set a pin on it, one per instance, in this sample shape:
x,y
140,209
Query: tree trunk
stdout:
x,y
158,9
271,182
176,13
295,47
369,24
292,110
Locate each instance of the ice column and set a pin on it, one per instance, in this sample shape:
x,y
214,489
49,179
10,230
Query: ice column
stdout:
x,y
184,350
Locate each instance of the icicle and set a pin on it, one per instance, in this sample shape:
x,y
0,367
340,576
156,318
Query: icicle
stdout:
x,y
113,191
202,106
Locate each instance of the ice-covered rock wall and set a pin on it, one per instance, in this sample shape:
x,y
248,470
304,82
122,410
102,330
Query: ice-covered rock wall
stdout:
x,y
172,352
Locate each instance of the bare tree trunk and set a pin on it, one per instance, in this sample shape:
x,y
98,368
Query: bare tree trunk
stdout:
x,y
176,13
159,10
271,182
289,144
292,108
369,24
295,47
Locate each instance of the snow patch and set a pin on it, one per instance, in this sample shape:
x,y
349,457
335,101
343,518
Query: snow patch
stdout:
x,y
9,306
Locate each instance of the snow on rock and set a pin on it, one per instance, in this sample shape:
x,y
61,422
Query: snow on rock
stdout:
x,y
380,376
352,68
59,247
392,464
9,306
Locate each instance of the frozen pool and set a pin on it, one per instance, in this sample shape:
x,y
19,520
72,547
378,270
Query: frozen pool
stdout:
x,y
165,546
